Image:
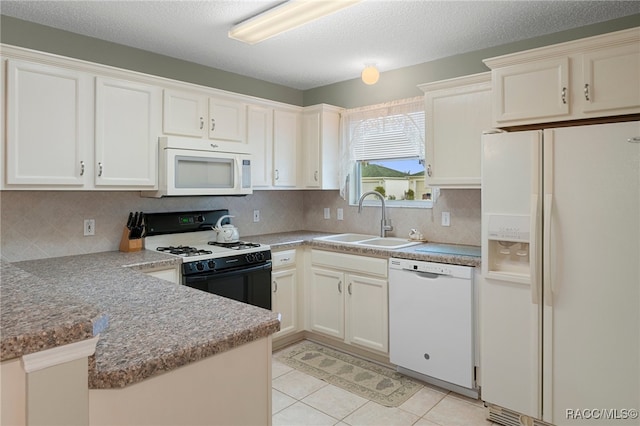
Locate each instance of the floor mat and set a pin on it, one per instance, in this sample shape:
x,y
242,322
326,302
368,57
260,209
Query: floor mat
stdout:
x,y
366,379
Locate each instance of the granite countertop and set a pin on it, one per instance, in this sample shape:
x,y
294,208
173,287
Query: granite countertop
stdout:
x,y
147,326
454,254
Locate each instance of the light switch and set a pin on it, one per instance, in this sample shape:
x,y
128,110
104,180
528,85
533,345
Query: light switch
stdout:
x,y
327,213
340,214
446,219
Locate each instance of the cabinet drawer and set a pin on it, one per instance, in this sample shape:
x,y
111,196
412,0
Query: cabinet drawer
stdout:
x,y
349,262
282,259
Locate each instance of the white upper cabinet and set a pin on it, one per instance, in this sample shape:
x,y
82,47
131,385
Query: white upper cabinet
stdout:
x,y
203,116
260,141
611,78
227,120
127,130
457,112
184,113
320,146
286,134
49,125
588,78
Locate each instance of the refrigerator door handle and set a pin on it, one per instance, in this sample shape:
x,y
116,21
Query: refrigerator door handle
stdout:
x,y
546,236
533,253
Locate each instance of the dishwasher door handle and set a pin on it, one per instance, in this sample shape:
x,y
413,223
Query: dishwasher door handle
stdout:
x,y
425,275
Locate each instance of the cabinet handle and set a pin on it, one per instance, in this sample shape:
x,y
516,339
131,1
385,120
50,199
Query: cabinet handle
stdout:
x,y
586,91
634,139
349,289
82,168
213,124
429,170
286,259
277,174
213,145
99,169
340,286
315,175
275,286
564,95
201,123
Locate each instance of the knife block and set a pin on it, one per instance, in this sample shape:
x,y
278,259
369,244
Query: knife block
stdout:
x,y
127,245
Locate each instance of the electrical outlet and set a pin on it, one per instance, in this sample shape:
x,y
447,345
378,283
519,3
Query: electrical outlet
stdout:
x,y
256,215
446,219
340,214
89,227
327,213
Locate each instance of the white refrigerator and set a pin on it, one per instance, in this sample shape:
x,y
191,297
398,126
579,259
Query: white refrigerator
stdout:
x,y
559,298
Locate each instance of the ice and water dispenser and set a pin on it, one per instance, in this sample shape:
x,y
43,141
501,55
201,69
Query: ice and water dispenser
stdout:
x,y
508,240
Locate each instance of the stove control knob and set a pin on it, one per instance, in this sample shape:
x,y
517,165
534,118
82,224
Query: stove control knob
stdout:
x,y
199,266
250,258
259,256
199,218
211,264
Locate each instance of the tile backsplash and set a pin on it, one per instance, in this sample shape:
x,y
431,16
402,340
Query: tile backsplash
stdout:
x,y
40,224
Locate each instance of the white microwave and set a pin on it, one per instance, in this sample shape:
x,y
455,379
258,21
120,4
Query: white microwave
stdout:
x,y
201,167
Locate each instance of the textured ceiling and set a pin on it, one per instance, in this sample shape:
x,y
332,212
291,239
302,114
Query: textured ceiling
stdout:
x,y
391,34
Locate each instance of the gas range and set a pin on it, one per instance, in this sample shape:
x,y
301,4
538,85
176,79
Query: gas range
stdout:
x,y
190,236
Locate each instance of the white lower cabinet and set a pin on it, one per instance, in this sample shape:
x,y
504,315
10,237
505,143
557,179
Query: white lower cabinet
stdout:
x,y
171,274
284,298
348,299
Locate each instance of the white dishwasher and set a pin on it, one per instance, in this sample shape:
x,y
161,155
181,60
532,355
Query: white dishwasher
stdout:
x,y
431,326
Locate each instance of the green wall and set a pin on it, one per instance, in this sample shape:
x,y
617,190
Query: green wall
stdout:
x,y
25,34
396,84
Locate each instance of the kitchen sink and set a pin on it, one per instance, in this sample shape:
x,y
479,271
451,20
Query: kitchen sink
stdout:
x,y
347,238
369,241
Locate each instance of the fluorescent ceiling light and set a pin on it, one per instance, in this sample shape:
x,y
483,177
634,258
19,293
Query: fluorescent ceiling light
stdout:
x,y
284,17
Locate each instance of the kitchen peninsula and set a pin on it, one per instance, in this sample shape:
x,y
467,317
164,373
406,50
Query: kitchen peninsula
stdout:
x,y
165,353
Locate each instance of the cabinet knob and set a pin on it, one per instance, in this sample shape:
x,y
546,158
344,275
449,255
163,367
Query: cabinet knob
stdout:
x,y
99,169
275,286
315,175
586,91
564,95
213,124
82,168
349,289
201,123
277,174
340,286
429,170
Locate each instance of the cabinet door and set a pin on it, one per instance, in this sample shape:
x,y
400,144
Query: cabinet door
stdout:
x,y
311,149
127,130
456,118
184,114
260,141
531,91
48,125
367,312
286,129
611,78
227,120
326,301
285,300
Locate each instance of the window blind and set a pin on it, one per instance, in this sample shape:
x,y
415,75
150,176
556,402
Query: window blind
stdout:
x,y
388,131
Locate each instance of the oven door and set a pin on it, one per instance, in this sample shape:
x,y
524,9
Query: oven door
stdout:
x,y
250,285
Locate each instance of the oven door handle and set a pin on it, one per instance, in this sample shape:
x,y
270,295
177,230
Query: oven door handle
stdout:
x,y
237,271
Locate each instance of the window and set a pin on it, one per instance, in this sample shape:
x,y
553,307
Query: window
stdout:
x,y
383,150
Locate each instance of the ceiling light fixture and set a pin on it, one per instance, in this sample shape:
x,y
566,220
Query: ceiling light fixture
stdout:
x,y
284,17
370,75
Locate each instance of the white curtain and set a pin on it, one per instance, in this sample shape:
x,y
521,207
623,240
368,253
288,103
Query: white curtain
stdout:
x,y
390,130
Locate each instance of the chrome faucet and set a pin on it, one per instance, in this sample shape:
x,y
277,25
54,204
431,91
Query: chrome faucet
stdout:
x,y
385,224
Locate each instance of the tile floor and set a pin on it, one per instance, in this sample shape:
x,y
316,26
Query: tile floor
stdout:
x,y
299,399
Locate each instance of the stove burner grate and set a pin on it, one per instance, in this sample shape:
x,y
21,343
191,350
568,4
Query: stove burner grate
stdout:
x,y
185,251
238,245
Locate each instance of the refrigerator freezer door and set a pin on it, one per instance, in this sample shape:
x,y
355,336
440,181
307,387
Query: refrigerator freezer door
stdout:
x,y
592,331
509,321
